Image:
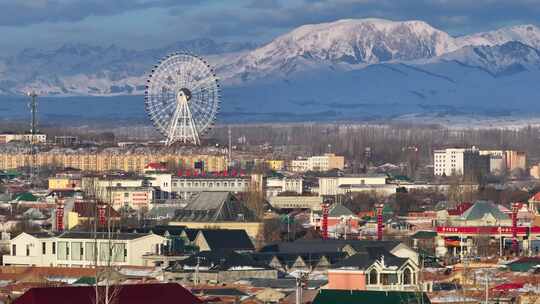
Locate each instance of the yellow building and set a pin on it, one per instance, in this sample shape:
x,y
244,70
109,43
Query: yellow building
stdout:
x,y
275,164
100,162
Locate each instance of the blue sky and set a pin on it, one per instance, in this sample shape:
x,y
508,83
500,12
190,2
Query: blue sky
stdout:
x,y
142,24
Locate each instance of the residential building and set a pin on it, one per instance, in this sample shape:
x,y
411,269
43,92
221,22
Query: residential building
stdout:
x,y
223,239
218,267
36,138
456,161
278,184
350,183
374,269
136,198
534,171
65,181
296,202
324,162
77,249
341,221
104,162
66,141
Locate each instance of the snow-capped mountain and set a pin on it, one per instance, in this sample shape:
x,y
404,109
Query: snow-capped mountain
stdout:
x,y
344,42
499,60
527,34
335,49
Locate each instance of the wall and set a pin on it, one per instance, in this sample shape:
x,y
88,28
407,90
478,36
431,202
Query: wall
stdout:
x,y
252,228
346,279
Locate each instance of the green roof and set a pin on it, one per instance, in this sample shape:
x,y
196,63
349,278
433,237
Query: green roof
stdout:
x,y
524,264
482,208
26,197
85,281
330,296
340,210
424,235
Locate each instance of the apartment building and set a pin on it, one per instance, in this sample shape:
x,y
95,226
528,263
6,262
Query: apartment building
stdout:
x,y
470,161
102,162
78,249
324,162
136,198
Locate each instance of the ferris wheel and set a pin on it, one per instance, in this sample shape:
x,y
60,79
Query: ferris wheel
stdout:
x,y
182,98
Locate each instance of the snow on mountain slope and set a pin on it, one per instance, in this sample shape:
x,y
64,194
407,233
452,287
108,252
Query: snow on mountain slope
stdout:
x,y
500,60
527,34
344,42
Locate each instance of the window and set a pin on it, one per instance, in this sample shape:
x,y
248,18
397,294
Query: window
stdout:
x,y
89,251
119,252
373,280
126,194
27,250
53,247
13,249
76,251
63,250
407,277
43,248
104,253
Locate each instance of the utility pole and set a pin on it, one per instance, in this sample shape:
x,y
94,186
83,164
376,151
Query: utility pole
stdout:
x,y
33,132
230,146
196,281
487,288
301,280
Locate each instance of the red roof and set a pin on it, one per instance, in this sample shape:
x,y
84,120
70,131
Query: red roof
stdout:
x,y
535,198
88,210
156,166
128,294
508,286
460,209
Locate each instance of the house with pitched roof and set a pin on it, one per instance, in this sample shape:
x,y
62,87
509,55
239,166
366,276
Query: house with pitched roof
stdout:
x,y
329,296
341,220
223,239
374,268
80,249
218,267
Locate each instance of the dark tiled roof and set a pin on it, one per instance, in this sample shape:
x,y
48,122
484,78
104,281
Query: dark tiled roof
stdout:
x,y
329,296
102,235
88,210
313,246
228,292
217,260
214,206
133,294
367,257
424,235
234,239
159,230
285,283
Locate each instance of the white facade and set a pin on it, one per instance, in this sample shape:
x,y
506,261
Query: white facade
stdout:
x,y
78,250
448,162
37,138
276,185
324,162
184,187
163,181
343,184
296,202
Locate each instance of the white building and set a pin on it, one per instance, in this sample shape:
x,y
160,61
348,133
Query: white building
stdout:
x,y
350,183
184,187
276,185
78,249
448,161
296,202
37,138
324,162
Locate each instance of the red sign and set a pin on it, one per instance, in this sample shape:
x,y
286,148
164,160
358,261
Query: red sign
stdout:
x,y
505,230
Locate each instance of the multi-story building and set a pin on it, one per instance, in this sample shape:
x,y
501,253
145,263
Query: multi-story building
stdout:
x,y
36,138
184,187
102,162
66,140
350,183
65,181
136,198
275,164
276,185
456,161
324,162
78,249
296,202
